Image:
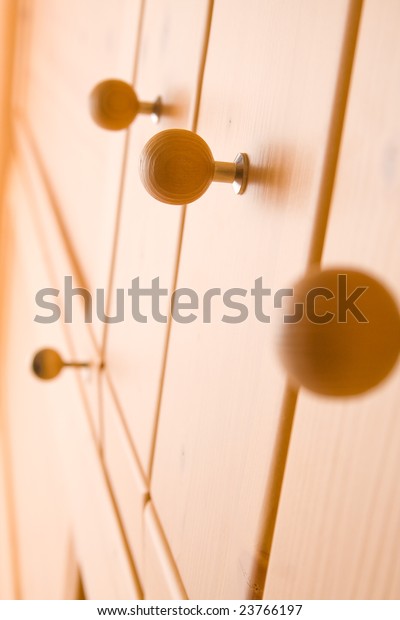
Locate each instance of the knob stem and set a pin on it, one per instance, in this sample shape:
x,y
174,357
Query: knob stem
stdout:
x,y
146,107
224,172
236,173
151,107
77,364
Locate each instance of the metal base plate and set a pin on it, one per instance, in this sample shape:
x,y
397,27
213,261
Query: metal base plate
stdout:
x,y
156,112
242,173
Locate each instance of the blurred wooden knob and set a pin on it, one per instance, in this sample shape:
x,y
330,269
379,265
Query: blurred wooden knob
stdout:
x,y
114,105
341,334
176,167
47,364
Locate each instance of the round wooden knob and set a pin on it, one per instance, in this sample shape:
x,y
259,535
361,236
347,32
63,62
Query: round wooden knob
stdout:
x,y
341,334
114,105
47,364
176,167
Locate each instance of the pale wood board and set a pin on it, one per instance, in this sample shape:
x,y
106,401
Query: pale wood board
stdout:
x,y
54,246
161,580
8,26
101,550
125,474
7,583
41,522
102,553
270,86
338,527
52,431
169,65
72,46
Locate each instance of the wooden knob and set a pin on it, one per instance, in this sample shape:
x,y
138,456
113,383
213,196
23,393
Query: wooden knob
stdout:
x,y
176,167
342,332
114,105
47,364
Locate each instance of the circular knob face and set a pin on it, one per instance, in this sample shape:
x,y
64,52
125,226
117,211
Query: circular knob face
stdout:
x,y
113,104
344,337
176,166
47,364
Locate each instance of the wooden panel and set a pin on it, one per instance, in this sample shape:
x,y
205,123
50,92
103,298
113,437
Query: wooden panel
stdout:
x,y
8,19
338,527
21,53
7,556
161,580
272,79
54,247
106,567
170,65
41,525
73,46
125,474
105,563
7,36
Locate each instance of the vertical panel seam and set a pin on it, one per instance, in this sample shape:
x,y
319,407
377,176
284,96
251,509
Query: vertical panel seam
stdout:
x,y
193,126
121,191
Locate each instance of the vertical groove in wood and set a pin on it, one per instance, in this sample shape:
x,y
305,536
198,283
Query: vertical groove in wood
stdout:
x,y
101,437
335,132
272,494
121,191
193,126
200,76
164,541
124,538
275,481
73,581
105,377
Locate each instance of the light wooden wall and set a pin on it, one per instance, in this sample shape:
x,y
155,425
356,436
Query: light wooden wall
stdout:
x,y
7,32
